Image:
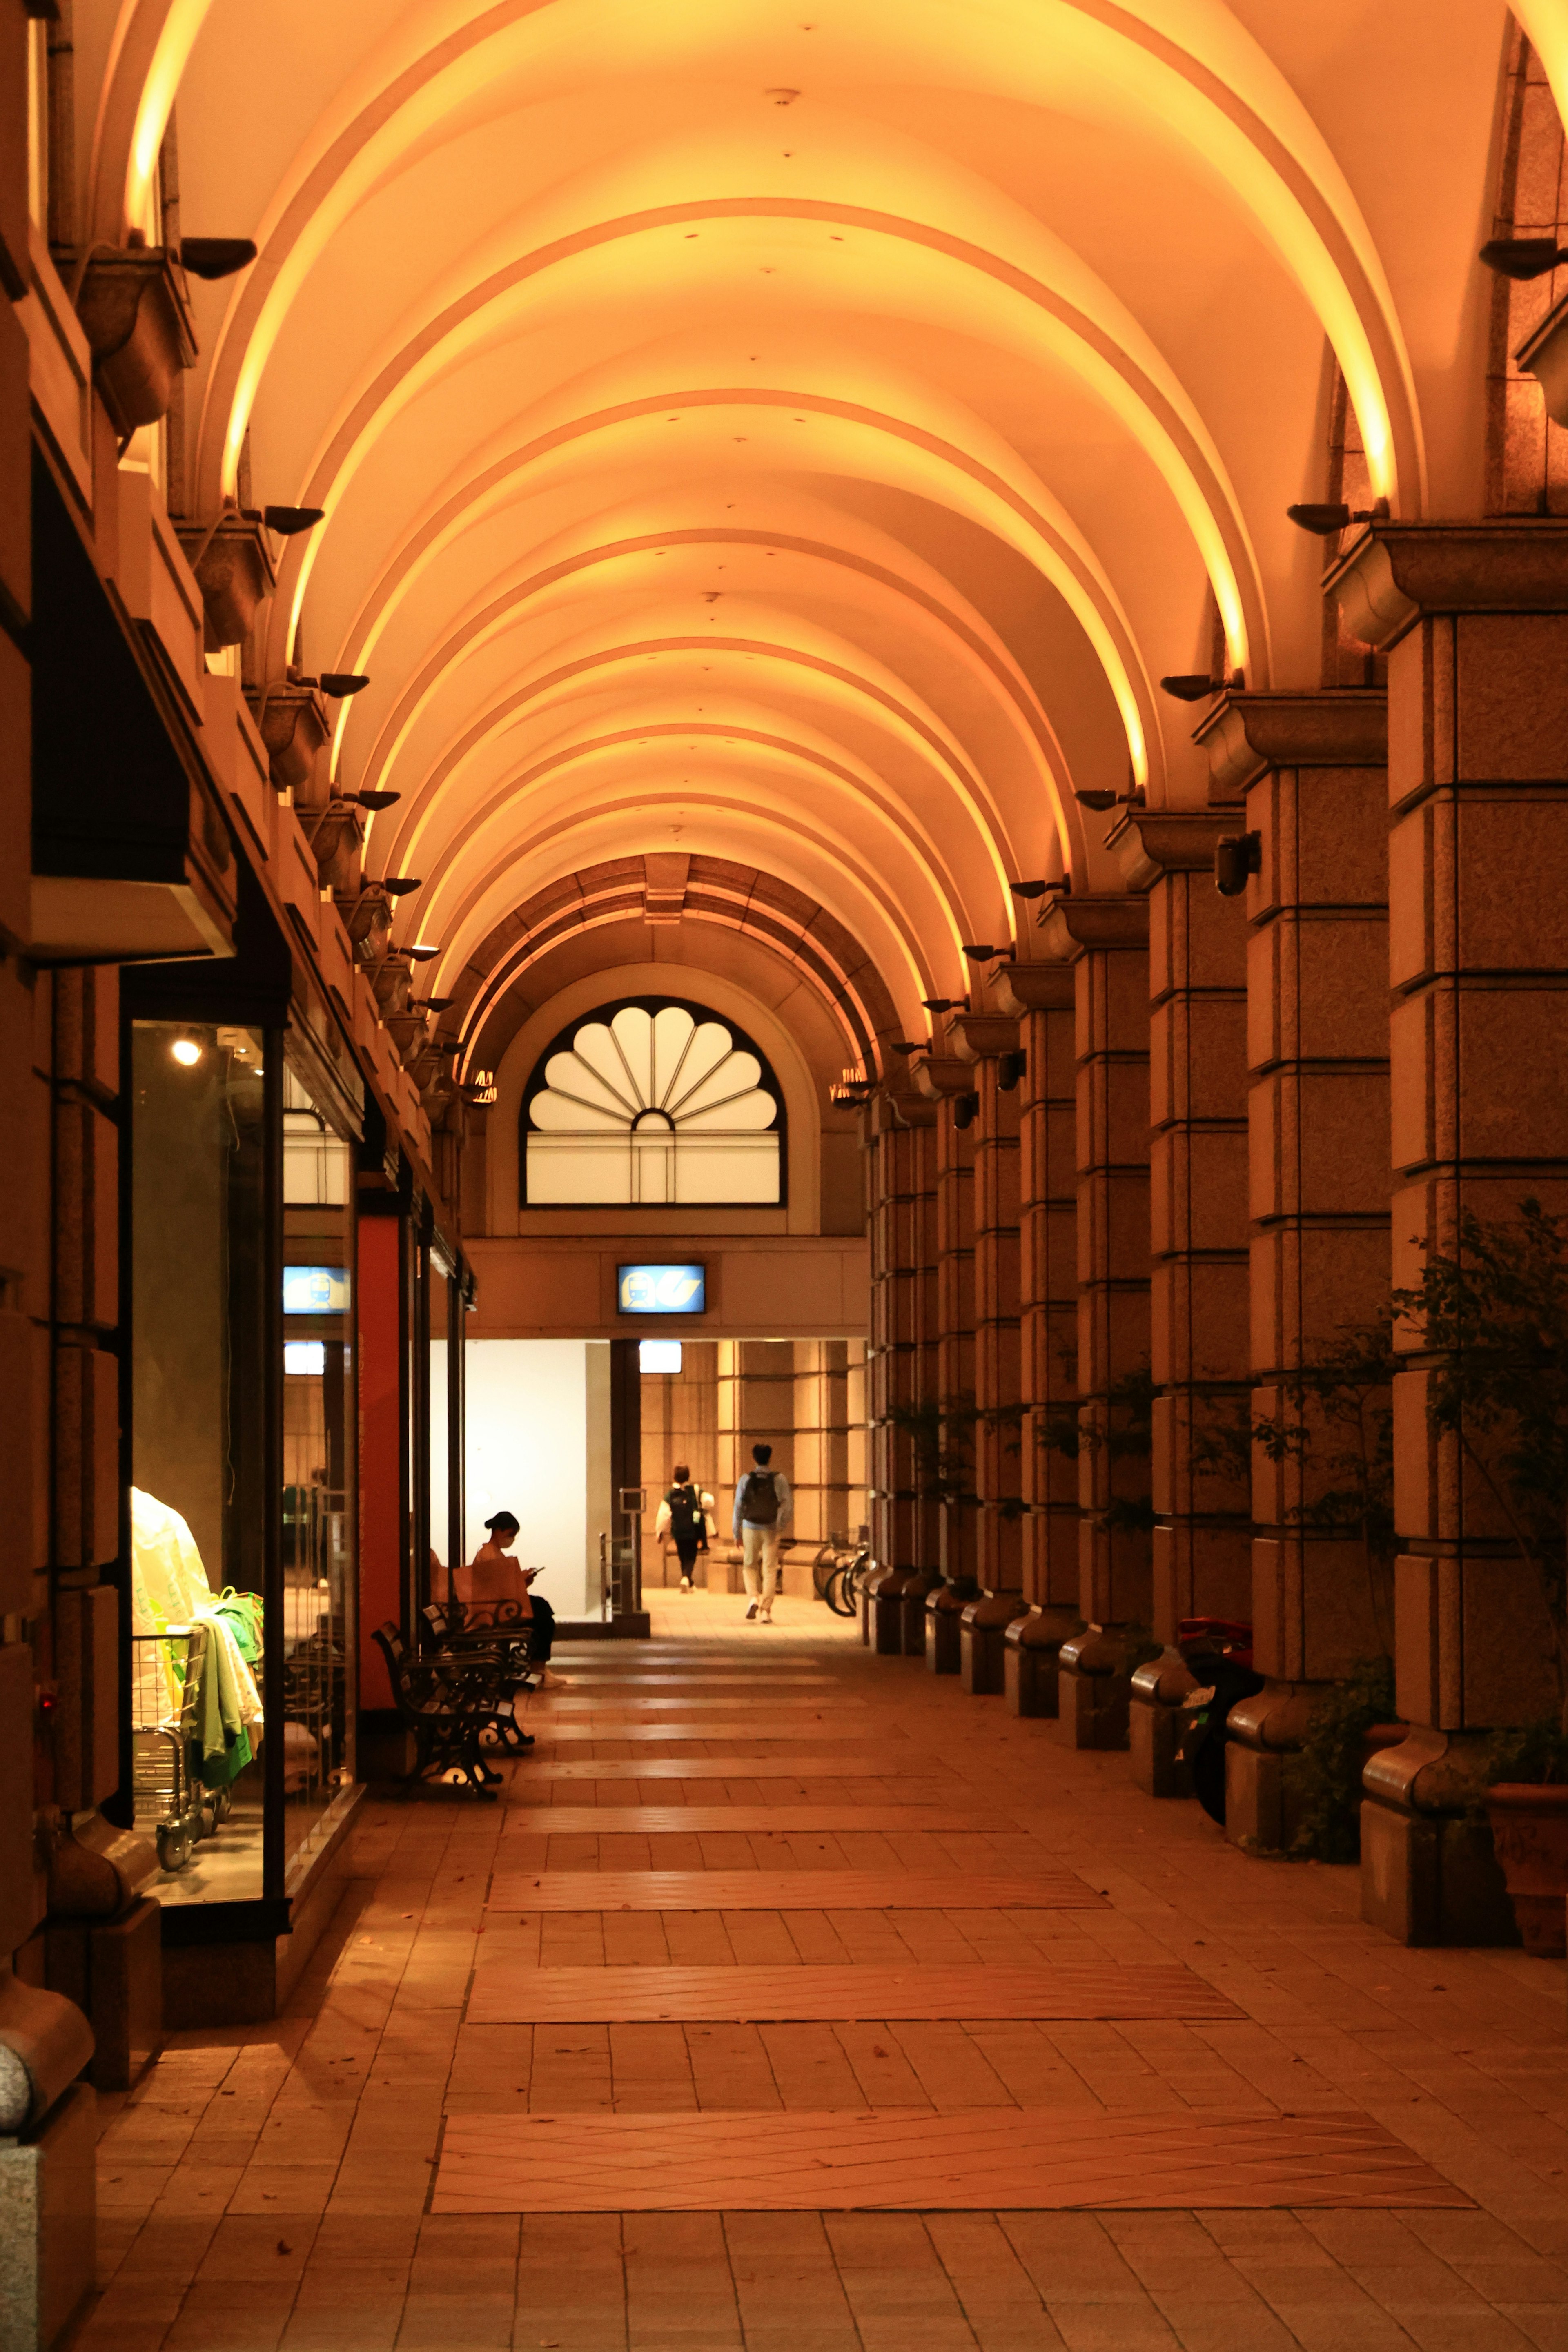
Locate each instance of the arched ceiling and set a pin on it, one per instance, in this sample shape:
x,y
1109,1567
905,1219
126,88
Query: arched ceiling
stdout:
x,y
798,439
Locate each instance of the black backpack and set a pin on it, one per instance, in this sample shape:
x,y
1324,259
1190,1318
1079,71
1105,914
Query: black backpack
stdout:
x,y
685,1513
760,1499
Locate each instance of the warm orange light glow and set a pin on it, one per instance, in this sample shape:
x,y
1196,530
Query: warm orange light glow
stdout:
x,y
175,42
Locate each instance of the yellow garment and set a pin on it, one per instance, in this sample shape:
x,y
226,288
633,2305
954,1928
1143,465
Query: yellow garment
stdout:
x,y
168,1583
169,1586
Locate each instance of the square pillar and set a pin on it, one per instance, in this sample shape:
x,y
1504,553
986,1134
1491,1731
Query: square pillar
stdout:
x,y
1106,939
1040,996
989,1043
1311,768
900,1367
1474,621
948,1082
1198,1242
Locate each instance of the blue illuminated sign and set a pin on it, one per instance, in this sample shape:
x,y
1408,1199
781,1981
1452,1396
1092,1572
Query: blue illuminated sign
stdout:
x,y
315,1290
661,1289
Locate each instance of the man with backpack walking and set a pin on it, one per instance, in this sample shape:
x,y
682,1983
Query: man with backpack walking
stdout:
x,y
763,1508
683,1522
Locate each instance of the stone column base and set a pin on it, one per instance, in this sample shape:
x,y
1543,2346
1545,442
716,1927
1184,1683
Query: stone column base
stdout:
x,y
47,2223
1031,1650
888,1613
1432,1879
1261,1804
126,1973
1429,1875
945,1604
870,1586
1155,1725
982,1654
1094,1688
1260,1814
917,1584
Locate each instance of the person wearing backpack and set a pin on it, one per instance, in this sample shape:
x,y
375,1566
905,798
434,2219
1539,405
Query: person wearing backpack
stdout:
x,y
683,1520
763,1508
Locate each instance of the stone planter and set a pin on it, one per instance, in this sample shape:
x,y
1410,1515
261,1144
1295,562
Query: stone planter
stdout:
x,y
394,986
368,922
292,724
1529,1836
410,1032
134,314
235,572
336,843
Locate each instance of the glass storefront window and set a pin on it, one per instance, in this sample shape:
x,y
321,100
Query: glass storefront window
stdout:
x,y
441,1562
316,1631
242,1461
199,1417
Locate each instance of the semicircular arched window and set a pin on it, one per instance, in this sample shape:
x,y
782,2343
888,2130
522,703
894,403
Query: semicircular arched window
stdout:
x,y
656,1104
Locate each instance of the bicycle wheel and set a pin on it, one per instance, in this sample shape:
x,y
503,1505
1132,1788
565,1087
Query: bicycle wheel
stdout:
x,y
839,1594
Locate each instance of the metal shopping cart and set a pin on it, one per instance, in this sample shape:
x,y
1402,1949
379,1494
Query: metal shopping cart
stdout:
x,y
165,1688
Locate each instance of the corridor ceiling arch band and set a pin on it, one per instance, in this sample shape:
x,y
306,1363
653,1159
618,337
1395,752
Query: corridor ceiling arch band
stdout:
x,y
1020,513
1132,383
958,348
1192,72
989,662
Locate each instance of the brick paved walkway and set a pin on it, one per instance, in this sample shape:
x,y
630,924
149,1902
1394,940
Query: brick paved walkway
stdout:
x,y
271,2189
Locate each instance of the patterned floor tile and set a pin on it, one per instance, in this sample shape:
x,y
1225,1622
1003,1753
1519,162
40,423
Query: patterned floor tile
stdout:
x,y
546,1706
786,1890
826,1728
509,1990
788,1818
725,1768
987,2161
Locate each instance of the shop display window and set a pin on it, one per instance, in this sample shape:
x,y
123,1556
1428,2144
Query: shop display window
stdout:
x,y
441,1560
241,1460
199,1429
317,1547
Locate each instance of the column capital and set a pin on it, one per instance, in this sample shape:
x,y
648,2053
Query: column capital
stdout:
x,y
1073,926
981,1036
887,1113
1247,734
1396,573
937,1074
1148,843
1020,988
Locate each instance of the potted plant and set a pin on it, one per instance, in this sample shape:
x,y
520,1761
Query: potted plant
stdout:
x,y
1493,1313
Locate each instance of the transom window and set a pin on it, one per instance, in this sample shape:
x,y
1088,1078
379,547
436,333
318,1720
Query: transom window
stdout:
x,y
655,1104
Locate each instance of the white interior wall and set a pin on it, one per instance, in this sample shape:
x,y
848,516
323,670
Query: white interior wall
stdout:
x,y
538,1445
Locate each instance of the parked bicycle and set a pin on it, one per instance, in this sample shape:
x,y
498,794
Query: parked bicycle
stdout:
x,y
837,1572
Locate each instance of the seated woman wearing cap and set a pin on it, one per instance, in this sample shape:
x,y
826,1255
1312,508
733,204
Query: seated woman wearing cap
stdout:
x,y
493,1576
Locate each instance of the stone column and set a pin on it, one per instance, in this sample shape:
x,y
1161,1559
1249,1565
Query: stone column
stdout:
x,y
1312,767
1107,941
1040,998
901,1366
1198,1242
1474,619
949,1082
989,1043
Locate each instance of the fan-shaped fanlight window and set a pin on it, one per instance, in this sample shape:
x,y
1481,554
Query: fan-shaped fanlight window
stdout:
x,y
649,1106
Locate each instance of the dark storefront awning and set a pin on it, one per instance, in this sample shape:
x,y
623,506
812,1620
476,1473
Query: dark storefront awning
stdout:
x,y
132,858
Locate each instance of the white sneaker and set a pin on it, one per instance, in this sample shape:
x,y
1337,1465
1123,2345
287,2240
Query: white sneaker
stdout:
x,y
686,1584
767,1614
752,1610
550,1680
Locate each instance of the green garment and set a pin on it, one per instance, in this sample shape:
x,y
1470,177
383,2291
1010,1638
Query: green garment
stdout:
x,y
224,1740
